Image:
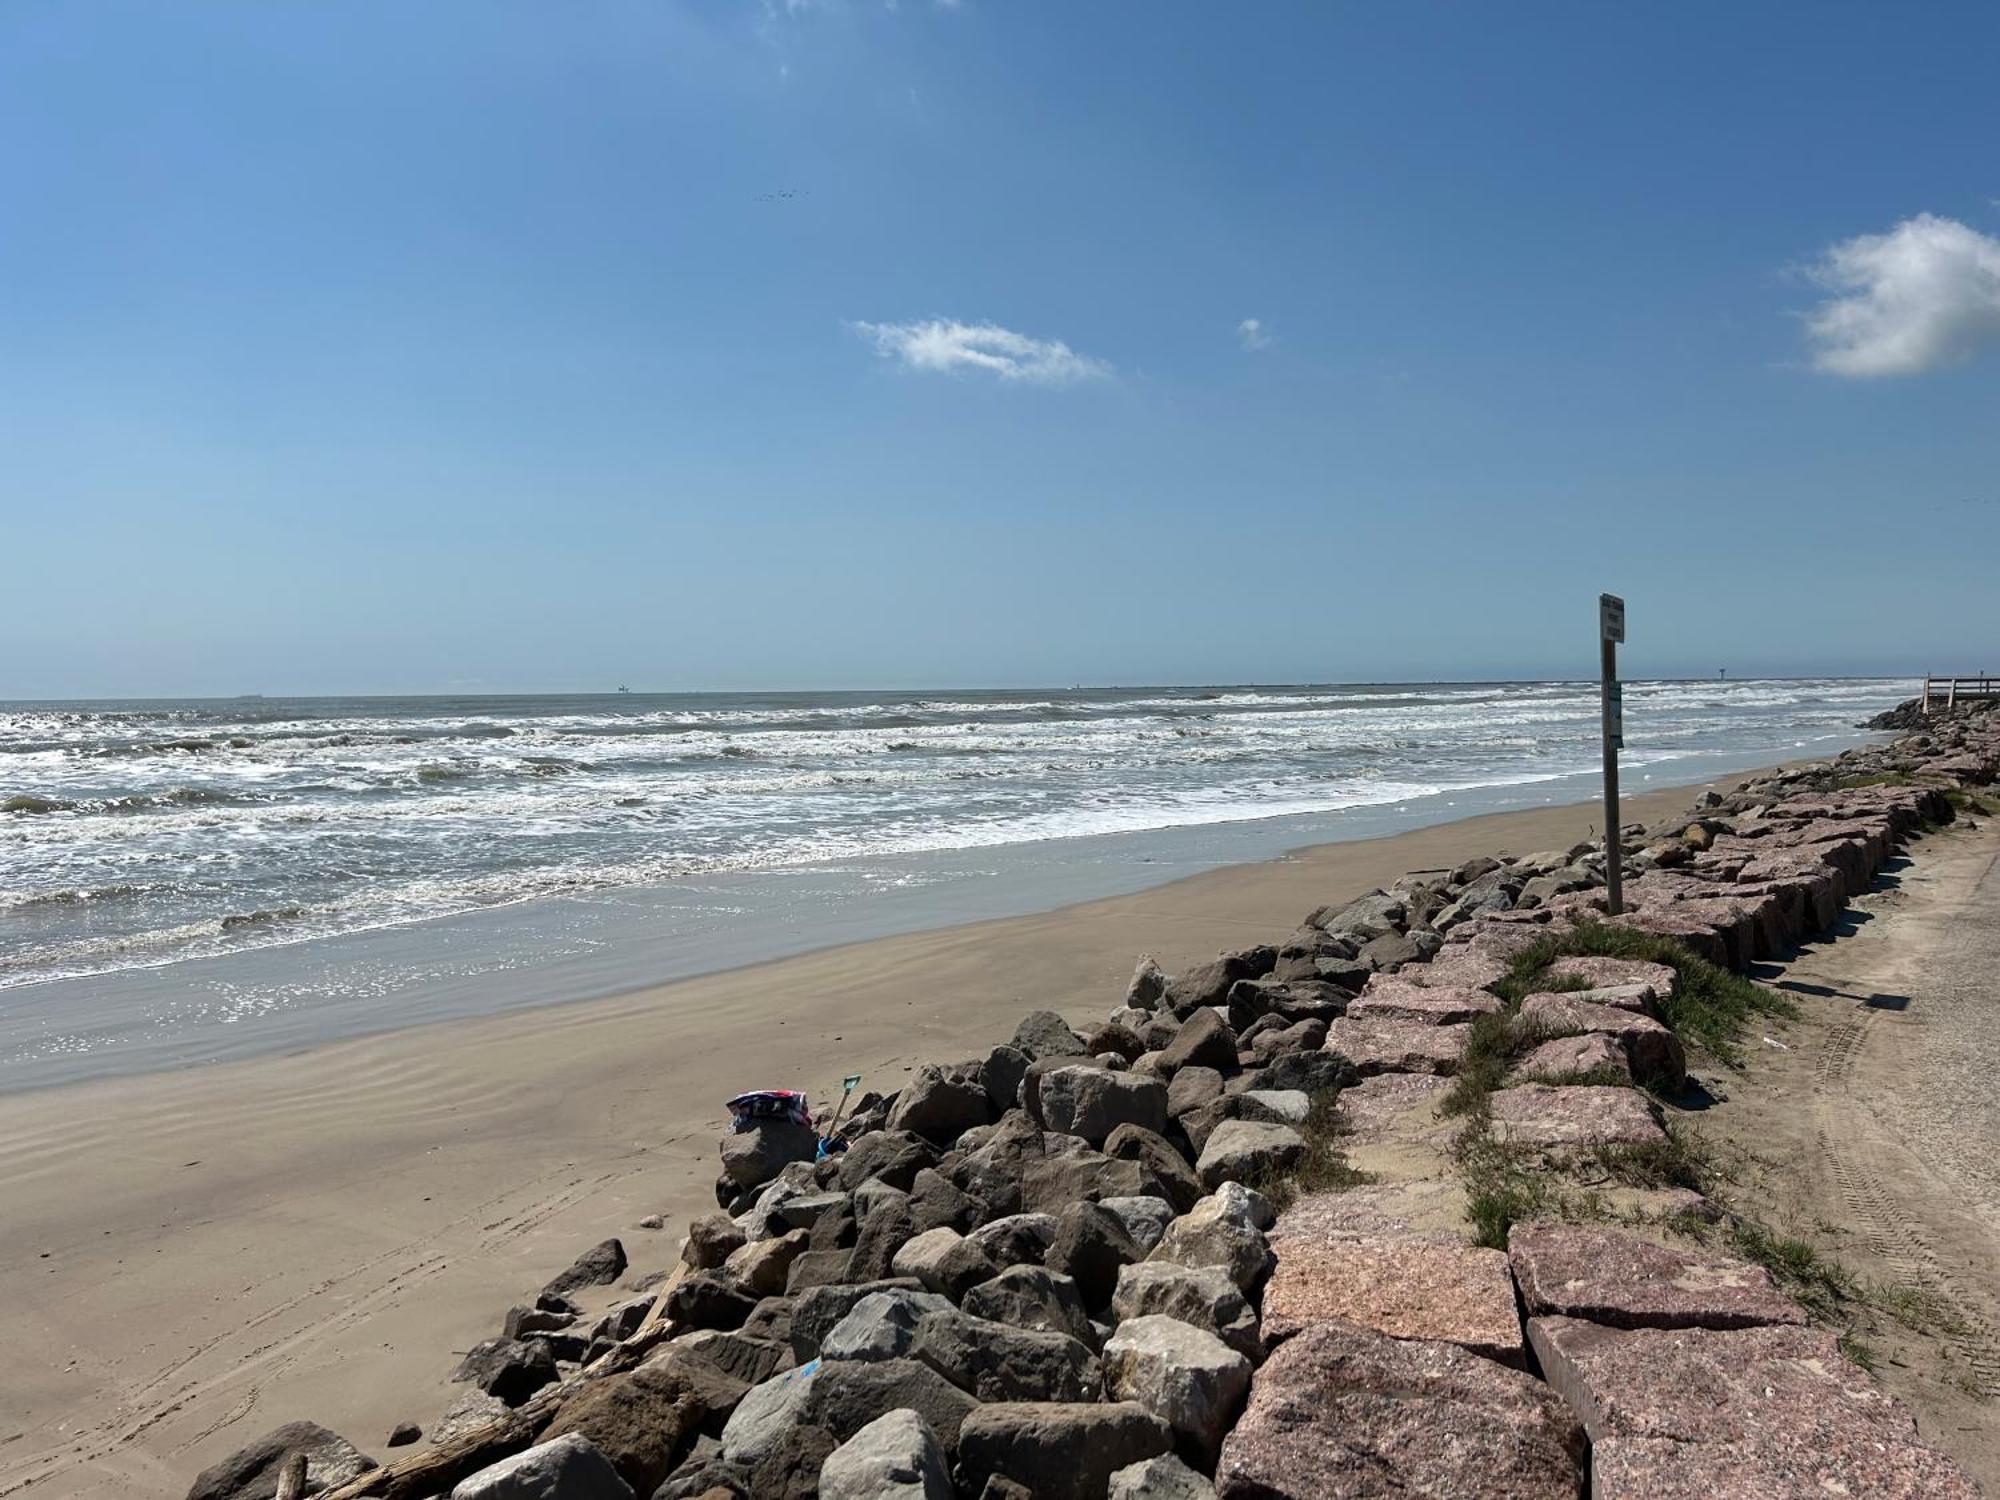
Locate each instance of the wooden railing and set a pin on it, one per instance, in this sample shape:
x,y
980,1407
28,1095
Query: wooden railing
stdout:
x,y
1951,689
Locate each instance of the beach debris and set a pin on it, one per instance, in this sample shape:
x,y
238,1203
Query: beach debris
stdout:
x,y
252,1471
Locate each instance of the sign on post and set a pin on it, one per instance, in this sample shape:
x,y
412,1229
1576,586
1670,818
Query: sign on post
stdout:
x,y
1610,633
1611,618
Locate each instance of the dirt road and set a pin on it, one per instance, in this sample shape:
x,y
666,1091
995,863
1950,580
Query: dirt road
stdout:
x,y
1870,1129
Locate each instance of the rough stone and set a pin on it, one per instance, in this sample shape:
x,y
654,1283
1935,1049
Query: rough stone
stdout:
x,y
1581,1116
752,1157
1243,1151
994,1362
895,1457
600,1265
1092,1102
1620,1280
767,1413
1052,1183
641,1421
944,1261
815,1313
251,1472
848,1394
1310,1073
1001,1074
1045,1034
1204,1041
1273,1107
939,1107
1341,1413
1154,1152
936,1202
512,1369
1148,988
1408,1288
761,1269
1661,1469
1017,1239
1058,1450
1654,1052
1605,973
707,1300
1091,1244
1569,1056
1384,1046
1218,1232
711,1240
1162,1478
1428,1005
566,1468
1184,1375
893,1157
882,1325
1202,1296
1191,1088
1145,1219
1035,1298
1376,1108
1115,1036
1779,1399
474,1409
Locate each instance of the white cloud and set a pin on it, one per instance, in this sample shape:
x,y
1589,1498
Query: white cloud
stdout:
x,y
1921,297
944,345
1251,332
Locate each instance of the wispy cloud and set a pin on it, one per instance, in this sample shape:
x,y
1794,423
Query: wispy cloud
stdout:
x,y
1251,332
944,345
1921,297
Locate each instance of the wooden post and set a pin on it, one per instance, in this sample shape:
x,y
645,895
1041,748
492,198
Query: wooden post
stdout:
x,y
292,1479
1610,631
1927,695
1951,695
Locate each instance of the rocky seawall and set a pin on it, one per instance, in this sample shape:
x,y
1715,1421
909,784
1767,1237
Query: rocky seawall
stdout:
x,y
1385,1207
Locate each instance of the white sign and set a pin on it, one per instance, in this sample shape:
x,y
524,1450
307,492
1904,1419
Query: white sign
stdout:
x,y
1611,618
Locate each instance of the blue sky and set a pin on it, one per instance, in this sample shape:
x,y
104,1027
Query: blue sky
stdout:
x,y
390,347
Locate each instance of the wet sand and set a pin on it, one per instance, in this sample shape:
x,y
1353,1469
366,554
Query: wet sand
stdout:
x,y
193,1258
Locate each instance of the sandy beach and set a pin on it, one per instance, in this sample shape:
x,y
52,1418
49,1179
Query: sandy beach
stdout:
x,y
198,1256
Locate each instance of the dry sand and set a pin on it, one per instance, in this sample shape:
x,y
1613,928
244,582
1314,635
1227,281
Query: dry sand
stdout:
x,y
194,1258
1871,1130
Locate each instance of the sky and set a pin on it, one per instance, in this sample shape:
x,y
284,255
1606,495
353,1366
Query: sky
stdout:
x,y
377,347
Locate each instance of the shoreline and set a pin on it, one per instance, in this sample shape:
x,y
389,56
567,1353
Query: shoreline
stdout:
x,y
212,1251
551,951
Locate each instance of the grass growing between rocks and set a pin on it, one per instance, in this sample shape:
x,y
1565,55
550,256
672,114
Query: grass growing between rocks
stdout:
x,y
1816,1282
1683,1160
1325,1168
1710,1008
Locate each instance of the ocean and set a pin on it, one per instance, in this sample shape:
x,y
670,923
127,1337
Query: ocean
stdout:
x,y
149,849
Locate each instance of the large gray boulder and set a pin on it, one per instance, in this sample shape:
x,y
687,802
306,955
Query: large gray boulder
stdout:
x,y
1092,1102
1044,1034
939,1107
1035,1298
1090,1246
994,1362
882,1325
1145,1218
251,1472
1245,1151
1222,1230
512,1369
1057,1450
1184,1375
1162,1478
1202,1296
752,1157
944,1261
568,1468
895,1457
1203,1041
600,1265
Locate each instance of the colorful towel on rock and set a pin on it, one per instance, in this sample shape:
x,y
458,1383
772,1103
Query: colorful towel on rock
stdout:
x,y
770,1104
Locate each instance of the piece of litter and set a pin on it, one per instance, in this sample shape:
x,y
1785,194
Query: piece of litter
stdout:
x,y
1771,1041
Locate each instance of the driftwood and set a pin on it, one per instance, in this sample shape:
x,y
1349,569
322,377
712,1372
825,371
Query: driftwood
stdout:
x,y
435,1469
292,1479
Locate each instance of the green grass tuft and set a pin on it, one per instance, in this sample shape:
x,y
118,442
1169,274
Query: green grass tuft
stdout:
x,y
1325,1168
1711,1007
1817,1283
